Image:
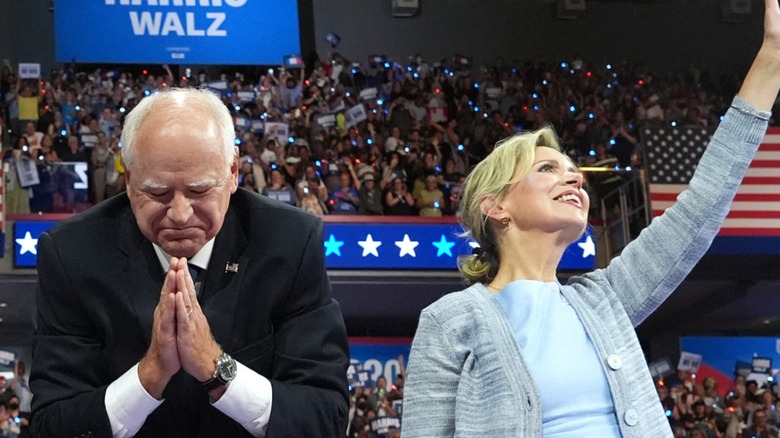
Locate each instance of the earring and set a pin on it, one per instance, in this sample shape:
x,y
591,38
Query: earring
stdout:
x,y
505,221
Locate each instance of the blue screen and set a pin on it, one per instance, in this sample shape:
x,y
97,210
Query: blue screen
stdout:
x,y
176,31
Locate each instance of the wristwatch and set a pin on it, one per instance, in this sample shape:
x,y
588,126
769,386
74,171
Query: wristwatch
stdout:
x,y
225,372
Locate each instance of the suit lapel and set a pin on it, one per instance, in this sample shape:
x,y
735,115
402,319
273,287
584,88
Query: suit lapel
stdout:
x,y
220,293
143,277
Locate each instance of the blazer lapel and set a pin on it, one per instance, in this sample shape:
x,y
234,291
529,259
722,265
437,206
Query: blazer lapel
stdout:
x,y
143,278
220,294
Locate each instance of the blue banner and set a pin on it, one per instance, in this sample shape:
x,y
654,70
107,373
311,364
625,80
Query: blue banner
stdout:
x,y
26,241
420,246
363,246
375,357
176,31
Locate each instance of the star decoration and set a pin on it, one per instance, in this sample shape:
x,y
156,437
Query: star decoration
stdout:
x,y
588,247
333,246
369,246
407,246
28,244
443,246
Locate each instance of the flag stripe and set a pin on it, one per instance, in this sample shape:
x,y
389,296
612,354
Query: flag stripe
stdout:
x,y
765,163
753,214
672,156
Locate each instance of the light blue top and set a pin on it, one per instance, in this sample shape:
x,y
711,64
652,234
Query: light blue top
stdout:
x,y
574,391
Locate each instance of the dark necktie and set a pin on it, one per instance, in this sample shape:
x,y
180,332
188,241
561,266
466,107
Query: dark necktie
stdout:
x,y
195,273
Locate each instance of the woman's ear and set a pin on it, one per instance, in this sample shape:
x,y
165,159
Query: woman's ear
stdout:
x,y
491,209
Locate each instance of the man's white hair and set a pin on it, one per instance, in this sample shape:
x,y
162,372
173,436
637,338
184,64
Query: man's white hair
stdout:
x,y
180,104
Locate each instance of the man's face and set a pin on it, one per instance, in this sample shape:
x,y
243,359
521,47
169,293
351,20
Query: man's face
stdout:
x,y
179,186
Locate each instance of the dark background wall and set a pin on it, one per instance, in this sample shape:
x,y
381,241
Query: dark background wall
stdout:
x,y
663,34
669,34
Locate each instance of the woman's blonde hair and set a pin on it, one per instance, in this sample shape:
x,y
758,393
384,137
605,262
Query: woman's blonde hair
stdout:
x,y
510,161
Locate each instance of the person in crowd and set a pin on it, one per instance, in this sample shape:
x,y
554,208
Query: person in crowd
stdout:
x,y
20,404
34,138
209,309
16,197
9,428
278,188
370,196
345,198
430,201
75,151
510,339
398,200
27,99
760,427
102,158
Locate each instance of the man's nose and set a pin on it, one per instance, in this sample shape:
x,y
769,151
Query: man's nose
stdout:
x,y
180,209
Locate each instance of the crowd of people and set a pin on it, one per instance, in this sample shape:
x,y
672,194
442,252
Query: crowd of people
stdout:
x,y
15,399
695,409
341,138
703,410
375,409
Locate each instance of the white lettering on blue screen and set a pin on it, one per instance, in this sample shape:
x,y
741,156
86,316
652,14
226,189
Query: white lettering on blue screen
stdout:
x,y
175,23
147,23
190,3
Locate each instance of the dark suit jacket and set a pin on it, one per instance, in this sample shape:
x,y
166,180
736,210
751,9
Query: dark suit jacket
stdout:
x,y
99,282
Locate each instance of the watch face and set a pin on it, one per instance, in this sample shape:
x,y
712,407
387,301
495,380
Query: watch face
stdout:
x,y
226,367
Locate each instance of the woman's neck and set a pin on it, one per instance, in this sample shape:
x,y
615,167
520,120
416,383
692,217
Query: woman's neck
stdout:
x,y
528,256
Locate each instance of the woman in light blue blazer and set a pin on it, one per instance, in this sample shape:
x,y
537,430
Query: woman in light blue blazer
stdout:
x,y
517,354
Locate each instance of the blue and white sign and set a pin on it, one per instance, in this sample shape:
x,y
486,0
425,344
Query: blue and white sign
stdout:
x,y
420,246
176,31
378,357
26,241
363,246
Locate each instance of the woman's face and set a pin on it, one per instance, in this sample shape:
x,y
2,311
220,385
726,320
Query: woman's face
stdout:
x,y
430,183
276,177
550,198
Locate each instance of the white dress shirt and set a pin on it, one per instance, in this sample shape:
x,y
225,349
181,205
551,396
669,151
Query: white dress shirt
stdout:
x,y
247,399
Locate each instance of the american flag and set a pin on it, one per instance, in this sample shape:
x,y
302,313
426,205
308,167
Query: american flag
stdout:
x,y
672,155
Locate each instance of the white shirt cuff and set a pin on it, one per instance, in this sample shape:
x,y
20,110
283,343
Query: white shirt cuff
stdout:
x,y
247,401
128,404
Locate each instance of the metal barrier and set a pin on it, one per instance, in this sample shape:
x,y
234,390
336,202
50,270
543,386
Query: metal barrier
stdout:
x,y
624,211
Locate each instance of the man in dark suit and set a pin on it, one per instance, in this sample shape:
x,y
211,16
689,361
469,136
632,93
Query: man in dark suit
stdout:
x,y
132,341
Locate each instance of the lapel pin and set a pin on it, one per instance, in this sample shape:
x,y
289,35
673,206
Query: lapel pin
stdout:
x,y
231,267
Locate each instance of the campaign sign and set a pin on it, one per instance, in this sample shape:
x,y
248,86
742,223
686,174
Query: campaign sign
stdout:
x,y
176,31
327,121
660,368
378,357
382,425
278,131
689,362
762,365
27,173
420,246
26,241
29,70
356,114
7,357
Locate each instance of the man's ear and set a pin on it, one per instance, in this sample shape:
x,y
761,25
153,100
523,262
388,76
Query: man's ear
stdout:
x,y
234,171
